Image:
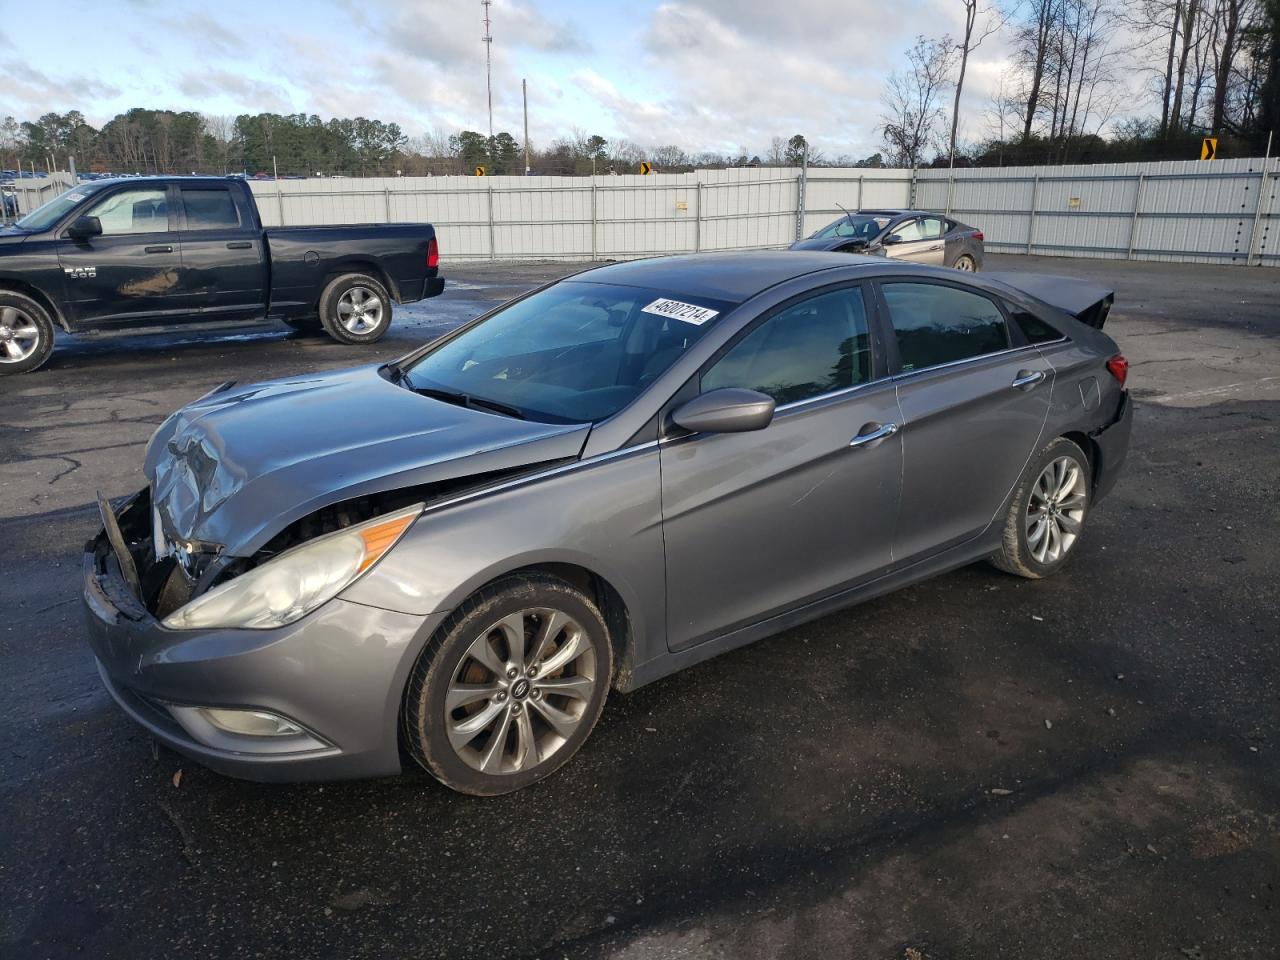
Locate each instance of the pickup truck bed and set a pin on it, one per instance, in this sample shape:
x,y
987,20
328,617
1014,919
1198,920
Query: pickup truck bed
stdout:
x,y
144,252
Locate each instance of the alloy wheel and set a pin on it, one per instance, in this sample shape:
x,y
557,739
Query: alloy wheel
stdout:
x,y
1055,511
520,691
19,335
360,310
966,265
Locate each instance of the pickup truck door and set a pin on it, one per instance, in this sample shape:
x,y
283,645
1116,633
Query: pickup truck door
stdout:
x,y
224,258
132,271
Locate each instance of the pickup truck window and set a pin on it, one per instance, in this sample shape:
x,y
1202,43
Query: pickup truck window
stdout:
x,y
132,211
46,215
210,209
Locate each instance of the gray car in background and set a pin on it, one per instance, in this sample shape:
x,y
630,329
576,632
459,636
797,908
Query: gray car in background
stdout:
x,y
454,557
913,235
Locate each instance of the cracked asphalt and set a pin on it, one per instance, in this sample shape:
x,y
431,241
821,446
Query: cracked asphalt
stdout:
x,y
975,767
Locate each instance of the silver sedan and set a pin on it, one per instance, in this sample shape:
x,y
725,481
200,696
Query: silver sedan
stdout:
x,y
913,235
455,557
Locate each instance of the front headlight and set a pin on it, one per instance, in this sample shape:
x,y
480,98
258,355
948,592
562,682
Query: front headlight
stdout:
x,y
288,587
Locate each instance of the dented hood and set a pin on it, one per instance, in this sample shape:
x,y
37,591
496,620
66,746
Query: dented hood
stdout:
x,y
236,467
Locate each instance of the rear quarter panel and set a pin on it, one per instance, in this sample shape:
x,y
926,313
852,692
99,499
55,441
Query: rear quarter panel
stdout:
x,y
305,259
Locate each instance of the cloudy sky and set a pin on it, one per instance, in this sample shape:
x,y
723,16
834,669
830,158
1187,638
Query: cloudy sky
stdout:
x,y
704,74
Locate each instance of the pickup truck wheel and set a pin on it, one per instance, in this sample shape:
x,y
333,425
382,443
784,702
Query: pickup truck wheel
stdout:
x,y
355,308
26,333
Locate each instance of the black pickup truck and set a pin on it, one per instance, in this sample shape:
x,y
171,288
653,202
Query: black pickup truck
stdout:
x,y
191,252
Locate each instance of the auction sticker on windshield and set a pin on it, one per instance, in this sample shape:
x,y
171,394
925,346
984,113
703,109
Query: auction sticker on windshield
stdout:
x,y
677,310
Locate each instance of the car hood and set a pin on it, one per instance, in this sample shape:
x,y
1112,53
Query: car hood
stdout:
x,y
12,235
241,464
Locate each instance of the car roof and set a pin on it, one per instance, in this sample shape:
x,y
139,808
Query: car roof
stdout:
x,y
730,276
158,178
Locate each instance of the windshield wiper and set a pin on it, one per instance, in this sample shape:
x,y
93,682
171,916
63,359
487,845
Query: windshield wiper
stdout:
x,y
474,403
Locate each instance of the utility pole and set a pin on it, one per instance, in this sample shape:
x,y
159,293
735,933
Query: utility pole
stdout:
x,y
524,90
488,74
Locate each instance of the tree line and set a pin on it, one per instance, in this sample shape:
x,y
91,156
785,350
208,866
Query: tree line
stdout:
x,y
1210,67
164,141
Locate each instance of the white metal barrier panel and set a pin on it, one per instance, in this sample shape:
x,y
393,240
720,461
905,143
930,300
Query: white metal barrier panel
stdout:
x,y
1220,211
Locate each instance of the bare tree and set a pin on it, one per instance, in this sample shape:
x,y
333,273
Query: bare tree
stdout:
x,y
1033,45
776,156
972,39
912,101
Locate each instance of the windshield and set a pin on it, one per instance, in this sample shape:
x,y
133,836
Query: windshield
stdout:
x,y
46,215
575,352
859,226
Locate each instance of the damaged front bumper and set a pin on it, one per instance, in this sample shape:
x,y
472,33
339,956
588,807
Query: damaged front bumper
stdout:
x,y
336,676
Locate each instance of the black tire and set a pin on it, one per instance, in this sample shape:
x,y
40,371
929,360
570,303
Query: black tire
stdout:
x,y
448,660
332,315
1022,552
26,333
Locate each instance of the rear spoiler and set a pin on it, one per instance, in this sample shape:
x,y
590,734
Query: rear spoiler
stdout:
x,y
1086,301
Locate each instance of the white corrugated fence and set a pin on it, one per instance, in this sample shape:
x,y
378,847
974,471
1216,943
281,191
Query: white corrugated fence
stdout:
x,y
1221,211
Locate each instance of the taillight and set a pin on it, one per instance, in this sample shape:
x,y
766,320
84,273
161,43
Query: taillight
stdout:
x,y
1118,366
977,235
433,254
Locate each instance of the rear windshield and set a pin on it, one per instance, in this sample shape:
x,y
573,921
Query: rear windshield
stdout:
x,y
575,352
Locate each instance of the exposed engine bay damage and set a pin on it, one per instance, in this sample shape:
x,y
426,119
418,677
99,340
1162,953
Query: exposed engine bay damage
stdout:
x,y
172,572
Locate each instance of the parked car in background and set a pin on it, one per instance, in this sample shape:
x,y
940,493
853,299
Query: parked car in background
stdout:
x,y
455,556
913,235
175,252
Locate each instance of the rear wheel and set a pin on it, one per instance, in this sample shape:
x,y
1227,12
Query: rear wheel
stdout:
x,y
509,687
355,308
1047,515
966,264
26,333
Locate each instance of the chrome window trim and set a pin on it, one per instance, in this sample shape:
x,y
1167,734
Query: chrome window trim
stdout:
x,y
787,407
956,363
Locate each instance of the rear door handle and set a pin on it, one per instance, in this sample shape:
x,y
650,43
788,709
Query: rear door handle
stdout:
x,y
872,432
239,244
159,248
1027,379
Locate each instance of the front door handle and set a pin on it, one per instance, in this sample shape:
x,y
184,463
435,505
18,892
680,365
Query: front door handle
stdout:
x,y
239,244
1027,379
871,432
159,248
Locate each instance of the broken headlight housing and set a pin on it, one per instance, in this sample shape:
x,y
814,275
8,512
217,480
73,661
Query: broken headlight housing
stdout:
x,y
288,587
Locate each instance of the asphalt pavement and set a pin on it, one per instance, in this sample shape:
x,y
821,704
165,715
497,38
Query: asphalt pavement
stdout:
x,y
975,767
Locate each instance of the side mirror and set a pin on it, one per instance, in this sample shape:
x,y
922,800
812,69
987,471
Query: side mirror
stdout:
x,y
891,239
729,410
85,227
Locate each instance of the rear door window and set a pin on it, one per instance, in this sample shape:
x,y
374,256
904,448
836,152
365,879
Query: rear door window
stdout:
x,y
1032,327
937,324
210,209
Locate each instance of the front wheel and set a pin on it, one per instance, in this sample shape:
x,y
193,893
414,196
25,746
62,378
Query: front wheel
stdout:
x,y
510,686
355,308
26,333
1047,515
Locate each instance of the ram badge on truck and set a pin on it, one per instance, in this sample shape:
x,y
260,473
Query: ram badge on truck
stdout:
x,y
177,252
